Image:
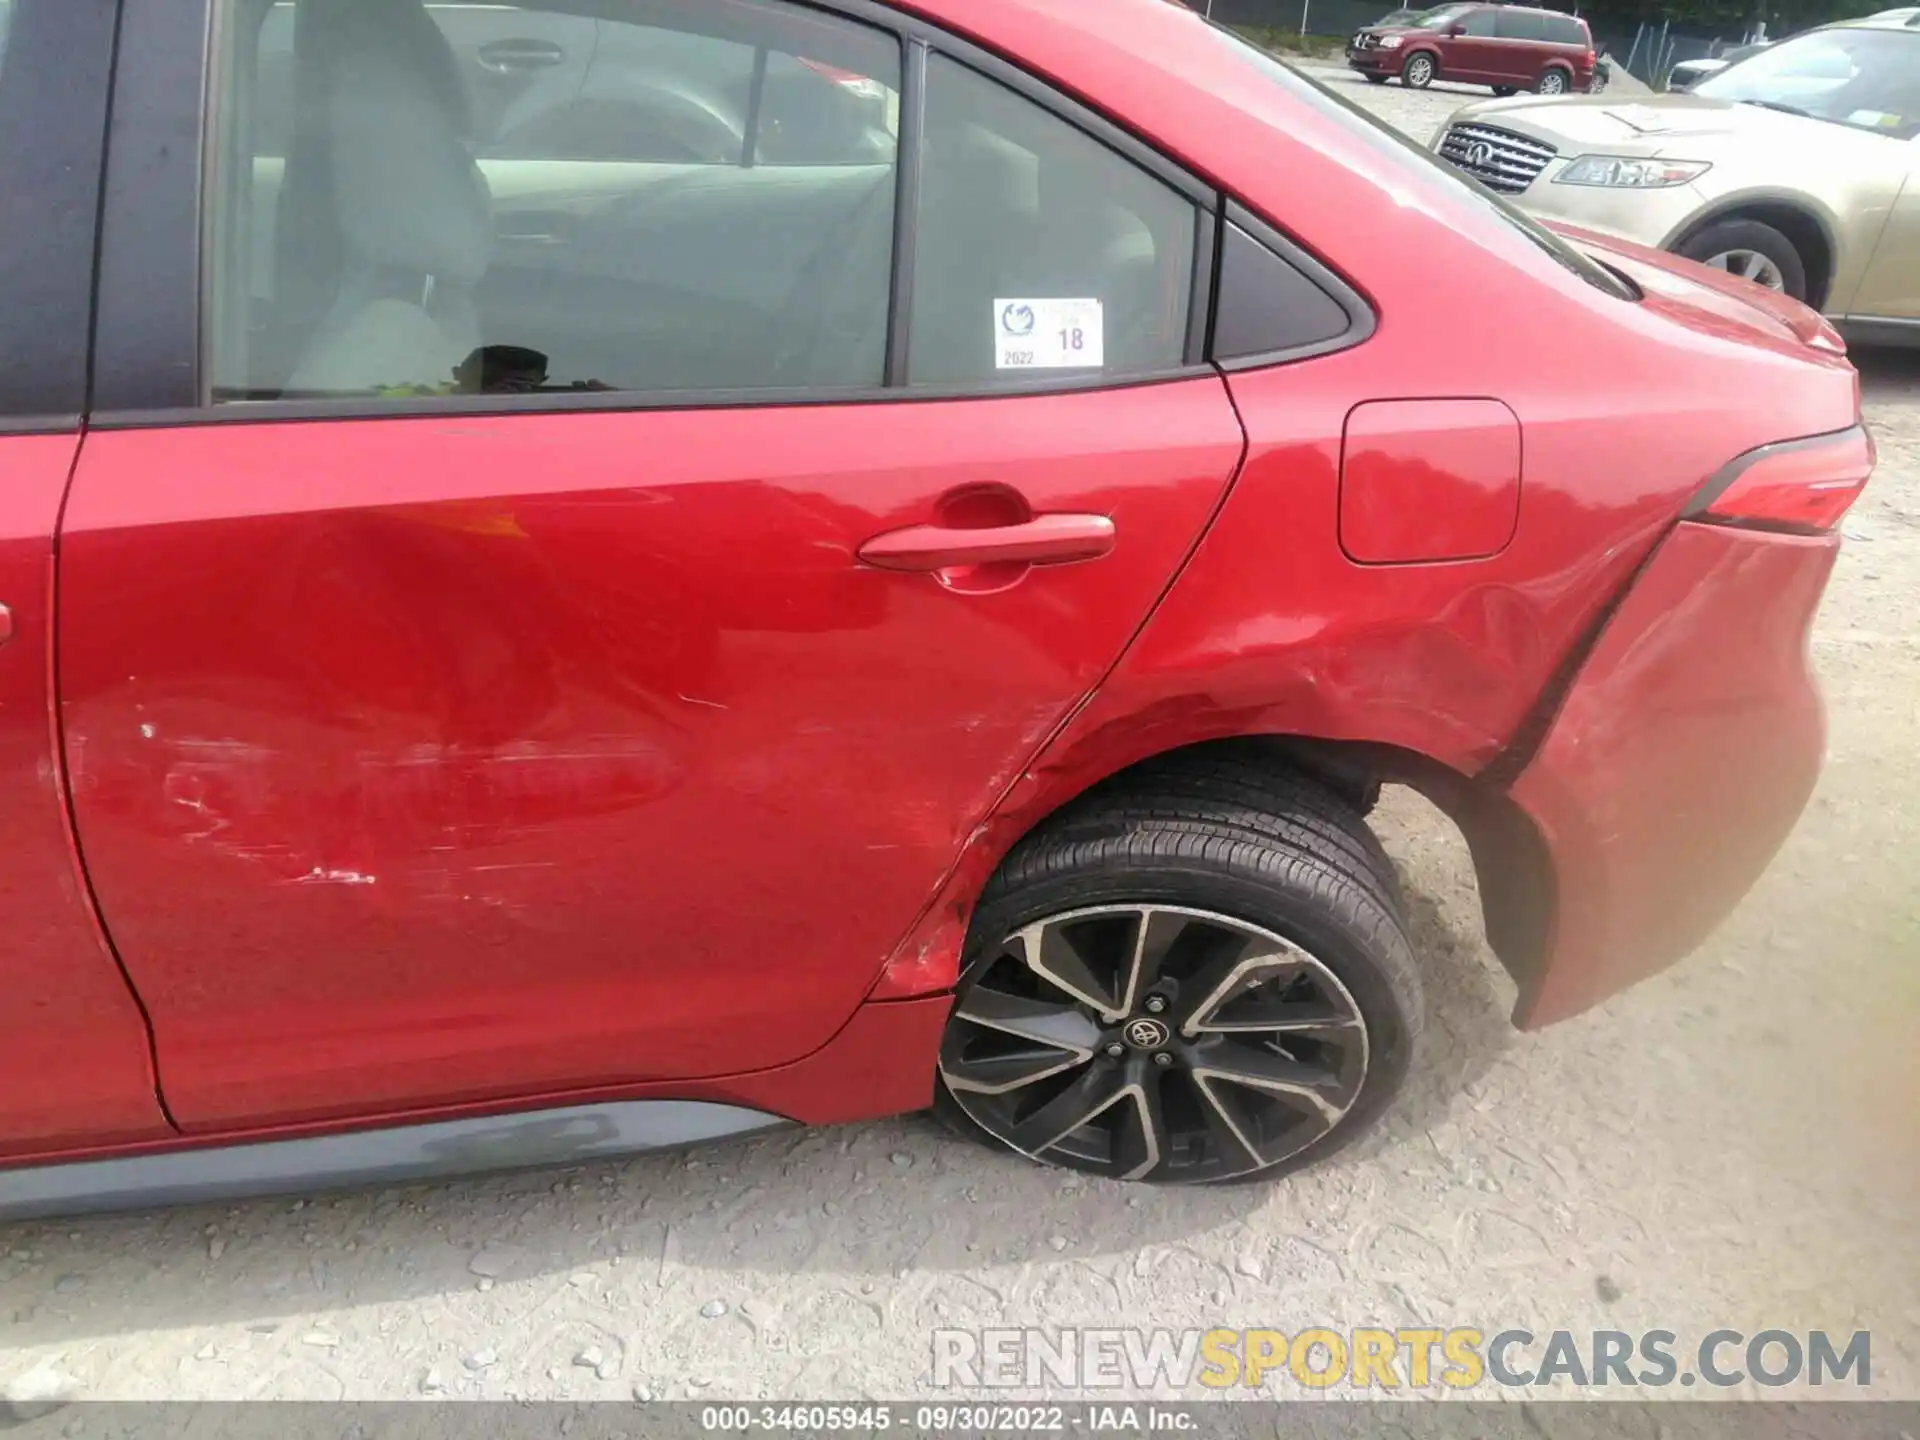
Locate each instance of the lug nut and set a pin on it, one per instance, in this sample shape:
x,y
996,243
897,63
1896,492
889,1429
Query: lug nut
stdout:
x,y
1156,1004
1116,1050
1163,1058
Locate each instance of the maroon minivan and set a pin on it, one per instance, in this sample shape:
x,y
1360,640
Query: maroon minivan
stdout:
x,y
1507,47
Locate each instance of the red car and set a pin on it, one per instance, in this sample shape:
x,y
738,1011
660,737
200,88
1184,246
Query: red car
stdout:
x,y
1507,48
520,658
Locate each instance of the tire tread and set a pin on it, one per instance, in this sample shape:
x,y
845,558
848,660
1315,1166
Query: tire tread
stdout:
x,y
1225,819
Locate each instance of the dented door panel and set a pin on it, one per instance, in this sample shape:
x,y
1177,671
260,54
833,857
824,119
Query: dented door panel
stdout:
x,y
423,761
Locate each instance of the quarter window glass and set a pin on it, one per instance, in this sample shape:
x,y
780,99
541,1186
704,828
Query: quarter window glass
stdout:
x,y
1563,31
1041,253
640,196
1480,22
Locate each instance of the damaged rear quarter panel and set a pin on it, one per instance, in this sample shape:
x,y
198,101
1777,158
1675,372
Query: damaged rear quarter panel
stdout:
x,y
1680,760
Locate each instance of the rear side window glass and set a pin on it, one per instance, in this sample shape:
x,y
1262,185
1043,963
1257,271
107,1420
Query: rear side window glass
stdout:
x,y
424,199
1041,252
1481,22
1564,30
6,26
1522,25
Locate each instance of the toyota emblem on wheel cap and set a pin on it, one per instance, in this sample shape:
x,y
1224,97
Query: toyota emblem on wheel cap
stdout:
x,y
1145,1034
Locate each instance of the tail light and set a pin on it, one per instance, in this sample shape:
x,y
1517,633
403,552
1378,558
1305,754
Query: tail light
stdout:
x,y
1801,486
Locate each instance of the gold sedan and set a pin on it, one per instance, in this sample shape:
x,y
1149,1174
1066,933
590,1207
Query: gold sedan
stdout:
x,y
1797,167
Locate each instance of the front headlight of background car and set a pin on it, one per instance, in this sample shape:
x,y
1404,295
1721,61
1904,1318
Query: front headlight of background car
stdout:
x,y
1391,42
1626,171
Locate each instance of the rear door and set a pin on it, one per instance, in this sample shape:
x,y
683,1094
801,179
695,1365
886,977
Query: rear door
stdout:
x,y
483,694
1520,53
1890,289
74,1065
1474,54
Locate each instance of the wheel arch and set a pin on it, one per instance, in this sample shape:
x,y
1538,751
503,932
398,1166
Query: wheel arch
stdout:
x,y
1793,215
1513,867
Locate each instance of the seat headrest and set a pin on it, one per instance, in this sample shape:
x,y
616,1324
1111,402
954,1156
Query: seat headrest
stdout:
x,y
406,190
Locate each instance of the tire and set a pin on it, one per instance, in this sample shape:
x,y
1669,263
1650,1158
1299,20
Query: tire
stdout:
x,y
1724,244
1282,956
1417,72
1554,80
1373,79
1503,91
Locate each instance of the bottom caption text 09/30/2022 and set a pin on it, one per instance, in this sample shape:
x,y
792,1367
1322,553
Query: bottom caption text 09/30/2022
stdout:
x,y
1328,1417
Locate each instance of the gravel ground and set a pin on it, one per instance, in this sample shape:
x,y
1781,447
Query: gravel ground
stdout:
x,y
1417,112
1733,1144
1422,112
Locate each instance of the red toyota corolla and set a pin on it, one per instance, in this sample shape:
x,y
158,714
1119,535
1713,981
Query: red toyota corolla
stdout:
x,y
591,574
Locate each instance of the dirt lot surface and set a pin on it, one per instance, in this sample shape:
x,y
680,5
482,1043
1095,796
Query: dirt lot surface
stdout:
x,y
1417,112
1734,1144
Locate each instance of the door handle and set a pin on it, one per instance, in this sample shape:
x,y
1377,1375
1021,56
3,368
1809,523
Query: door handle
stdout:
x,y
503,56
1043,540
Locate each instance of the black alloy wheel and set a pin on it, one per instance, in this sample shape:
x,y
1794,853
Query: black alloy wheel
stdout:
x,y
1155,1042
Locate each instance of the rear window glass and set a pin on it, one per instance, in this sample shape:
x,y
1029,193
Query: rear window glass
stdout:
x,y
1396,148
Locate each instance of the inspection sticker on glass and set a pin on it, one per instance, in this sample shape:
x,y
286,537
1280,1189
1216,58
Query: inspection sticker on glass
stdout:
x,y
1049,334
